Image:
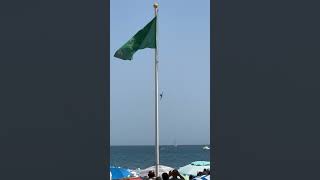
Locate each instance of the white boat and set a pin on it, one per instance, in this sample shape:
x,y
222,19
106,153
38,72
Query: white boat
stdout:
x,y
206,148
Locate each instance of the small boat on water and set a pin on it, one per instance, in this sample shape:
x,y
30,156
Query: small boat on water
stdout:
x,y
175,144
206,148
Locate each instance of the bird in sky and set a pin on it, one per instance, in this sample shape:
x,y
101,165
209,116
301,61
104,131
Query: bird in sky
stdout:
x,y
161,94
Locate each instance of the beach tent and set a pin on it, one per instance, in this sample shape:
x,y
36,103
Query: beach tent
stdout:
x,y
162,169
119,173
204,177
194,168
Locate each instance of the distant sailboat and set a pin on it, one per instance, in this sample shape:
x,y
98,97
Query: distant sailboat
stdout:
x,y
175,143
206,148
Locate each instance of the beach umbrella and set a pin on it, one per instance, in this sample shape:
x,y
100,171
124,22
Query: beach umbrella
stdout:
x,y
194,168
133,173
162,169
204,177
133,178
119,173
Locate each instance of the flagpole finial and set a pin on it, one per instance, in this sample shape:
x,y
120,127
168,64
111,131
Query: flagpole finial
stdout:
x,y
155,5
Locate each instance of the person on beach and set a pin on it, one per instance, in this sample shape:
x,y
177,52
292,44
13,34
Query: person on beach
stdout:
x,y
175,174
151,175
165,176
205,172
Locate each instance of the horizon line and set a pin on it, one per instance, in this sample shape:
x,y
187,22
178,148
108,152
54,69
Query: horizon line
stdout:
x,y
161,145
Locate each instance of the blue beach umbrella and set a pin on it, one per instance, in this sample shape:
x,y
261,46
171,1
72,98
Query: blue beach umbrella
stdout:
x,y
119,173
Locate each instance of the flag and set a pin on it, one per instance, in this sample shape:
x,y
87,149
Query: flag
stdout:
x,y
145,38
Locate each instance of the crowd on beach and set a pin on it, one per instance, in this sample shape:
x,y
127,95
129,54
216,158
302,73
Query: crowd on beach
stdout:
x,y
174,175
197,170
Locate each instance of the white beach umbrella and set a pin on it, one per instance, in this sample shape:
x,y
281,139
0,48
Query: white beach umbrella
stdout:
x,y
162,169
194,168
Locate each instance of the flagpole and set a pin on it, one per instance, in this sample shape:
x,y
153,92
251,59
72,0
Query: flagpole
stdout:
x,y
156,5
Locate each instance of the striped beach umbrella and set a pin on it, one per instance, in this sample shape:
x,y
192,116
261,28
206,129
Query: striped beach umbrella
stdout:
x,y
204,177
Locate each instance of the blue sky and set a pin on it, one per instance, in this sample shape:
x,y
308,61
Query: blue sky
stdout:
x,y
184,73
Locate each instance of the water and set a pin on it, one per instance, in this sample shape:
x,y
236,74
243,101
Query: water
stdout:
x,y
134,157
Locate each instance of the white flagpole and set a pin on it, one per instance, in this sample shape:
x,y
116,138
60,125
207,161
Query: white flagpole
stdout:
x,y
156,5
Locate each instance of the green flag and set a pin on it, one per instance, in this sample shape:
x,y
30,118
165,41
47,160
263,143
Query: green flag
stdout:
x,y
145,38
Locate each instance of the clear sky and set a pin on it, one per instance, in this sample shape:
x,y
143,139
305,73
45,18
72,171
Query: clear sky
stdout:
x,y
184,73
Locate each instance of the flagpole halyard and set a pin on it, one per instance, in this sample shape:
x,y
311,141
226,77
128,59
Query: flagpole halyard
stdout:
x,y
155,6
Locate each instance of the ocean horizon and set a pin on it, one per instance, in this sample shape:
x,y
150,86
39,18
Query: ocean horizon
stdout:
x,y
166,145
143,156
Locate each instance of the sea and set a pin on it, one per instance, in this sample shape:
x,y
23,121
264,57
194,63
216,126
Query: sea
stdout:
x,y
134,157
